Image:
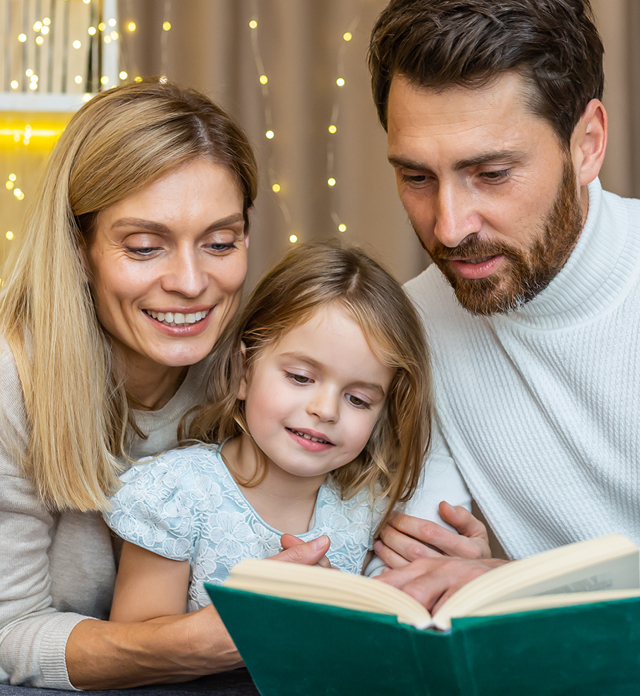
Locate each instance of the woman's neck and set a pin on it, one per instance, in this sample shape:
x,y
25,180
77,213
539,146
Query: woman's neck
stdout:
x,y
282,500
149,386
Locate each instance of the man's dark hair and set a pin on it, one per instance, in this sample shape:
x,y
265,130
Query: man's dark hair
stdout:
x,y
437,44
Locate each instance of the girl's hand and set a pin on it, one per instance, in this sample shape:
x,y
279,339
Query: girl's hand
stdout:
x,y
405,539
306,552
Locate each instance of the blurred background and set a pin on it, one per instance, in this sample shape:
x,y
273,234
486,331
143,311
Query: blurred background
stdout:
x,y
291,72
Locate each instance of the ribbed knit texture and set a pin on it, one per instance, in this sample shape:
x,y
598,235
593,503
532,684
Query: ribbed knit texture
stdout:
x,y
540,408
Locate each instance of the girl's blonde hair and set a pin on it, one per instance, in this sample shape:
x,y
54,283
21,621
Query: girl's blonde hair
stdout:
x,y
119,142
314,276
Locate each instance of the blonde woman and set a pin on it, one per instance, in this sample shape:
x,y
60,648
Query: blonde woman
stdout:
x,y
132,264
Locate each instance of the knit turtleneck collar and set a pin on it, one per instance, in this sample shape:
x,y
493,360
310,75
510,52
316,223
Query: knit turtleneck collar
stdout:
x,y
601,267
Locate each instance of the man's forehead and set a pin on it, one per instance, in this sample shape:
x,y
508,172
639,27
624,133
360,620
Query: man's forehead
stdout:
x,y
462,122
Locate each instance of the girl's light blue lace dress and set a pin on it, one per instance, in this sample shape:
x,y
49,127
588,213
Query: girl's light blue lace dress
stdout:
x,y
185,505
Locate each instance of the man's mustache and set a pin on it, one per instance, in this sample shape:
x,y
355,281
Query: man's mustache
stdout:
x,y
473,248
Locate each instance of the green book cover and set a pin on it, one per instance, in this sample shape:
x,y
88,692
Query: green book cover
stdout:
x,y
294,648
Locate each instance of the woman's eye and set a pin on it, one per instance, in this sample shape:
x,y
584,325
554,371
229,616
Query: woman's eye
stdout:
x,y
220,247
299,379
143,251
358,403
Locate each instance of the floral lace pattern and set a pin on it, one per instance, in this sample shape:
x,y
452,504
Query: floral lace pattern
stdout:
x,y
185,505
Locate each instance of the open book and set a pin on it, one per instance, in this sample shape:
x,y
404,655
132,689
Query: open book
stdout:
x,y
597,570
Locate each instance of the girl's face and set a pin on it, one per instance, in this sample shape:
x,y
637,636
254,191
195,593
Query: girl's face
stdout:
x,y
313,398
167,264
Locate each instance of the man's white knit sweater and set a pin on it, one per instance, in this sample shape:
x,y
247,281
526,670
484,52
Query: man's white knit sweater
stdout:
x,y
540,408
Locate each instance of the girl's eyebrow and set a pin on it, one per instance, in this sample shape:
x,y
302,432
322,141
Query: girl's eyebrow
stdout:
x,y
301,357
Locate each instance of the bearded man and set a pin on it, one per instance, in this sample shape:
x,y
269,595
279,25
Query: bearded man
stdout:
x,y
532,303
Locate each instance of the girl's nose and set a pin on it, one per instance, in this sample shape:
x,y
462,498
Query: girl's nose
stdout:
x,y
324,405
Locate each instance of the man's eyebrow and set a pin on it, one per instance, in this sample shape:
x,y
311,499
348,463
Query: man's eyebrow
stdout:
x,y
485,158
158,227
314,363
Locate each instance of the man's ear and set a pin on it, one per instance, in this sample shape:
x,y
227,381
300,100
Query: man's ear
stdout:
x,y
242,391
589,142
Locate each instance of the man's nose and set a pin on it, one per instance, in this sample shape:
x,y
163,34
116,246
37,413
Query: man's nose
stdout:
x,y
455,215
185,274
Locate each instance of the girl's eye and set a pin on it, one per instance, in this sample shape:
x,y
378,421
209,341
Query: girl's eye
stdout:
x,y
358,403
299,379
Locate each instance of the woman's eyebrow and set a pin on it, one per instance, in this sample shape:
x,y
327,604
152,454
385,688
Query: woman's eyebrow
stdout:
x,y
163,229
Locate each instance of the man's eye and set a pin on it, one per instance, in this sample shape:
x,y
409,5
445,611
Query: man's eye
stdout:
x,y
299,379
358,403
414,178
499,175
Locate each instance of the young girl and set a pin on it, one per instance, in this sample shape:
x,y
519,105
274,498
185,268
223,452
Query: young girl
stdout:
x,y
317,423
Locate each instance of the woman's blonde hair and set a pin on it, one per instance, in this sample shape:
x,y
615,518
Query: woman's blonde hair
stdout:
x,y
119,142
314,276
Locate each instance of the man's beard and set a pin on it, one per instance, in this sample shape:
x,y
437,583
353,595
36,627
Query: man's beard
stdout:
x,y
523,274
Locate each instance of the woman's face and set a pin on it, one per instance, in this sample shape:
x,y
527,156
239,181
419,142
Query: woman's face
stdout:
x,y
167,264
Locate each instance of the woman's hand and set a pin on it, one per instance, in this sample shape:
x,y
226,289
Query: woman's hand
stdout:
x,y
306,552
405,538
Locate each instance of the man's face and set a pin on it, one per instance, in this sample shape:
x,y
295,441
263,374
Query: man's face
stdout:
x,y
490,192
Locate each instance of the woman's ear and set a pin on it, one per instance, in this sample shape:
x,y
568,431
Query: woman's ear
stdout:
x,y
242,391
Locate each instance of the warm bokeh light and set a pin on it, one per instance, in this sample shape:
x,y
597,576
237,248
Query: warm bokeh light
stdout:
x,y
104,80
22,38
293,239
347,36
39,40
166,26
253,24
9,235
340,82
263,79
276,188
131,26
91,31
123,75
332,128
78,79
14,84
342,228
77,44
331,181
270,134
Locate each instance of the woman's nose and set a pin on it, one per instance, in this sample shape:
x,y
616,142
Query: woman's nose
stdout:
x,y
185,274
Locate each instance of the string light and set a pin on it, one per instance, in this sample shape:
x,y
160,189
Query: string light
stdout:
x,y
112,22
77,44
137,79
293,239
253,24
37,26
44,30
104,80
39,40
28,72
78,79
9,235
9,185
114,35
332,129
340,82
102,26
263,79
86,2
14,84
131,26
107,39
276,188
270,134
347,36
342,227
91,31
22,38
331,181
12,177
86,97
18,194
123,75
166,26
46,21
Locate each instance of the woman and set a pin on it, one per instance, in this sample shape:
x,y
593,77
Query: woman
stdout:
x,y
132,264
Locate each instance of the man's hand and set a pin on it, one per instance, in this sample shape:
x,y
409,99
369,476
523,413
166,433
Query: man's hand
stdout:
x,y
433,580
306,552
405,538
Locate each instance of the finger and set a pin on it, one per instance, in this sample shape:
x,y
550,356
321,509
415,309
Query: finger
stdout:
x,y
324,562
389,556
289,540
428,589
460,518
402,576
407,546
307,553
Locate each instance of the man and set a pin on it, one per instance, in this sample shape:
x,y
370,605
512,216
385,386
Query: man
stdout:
x,y
532,303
